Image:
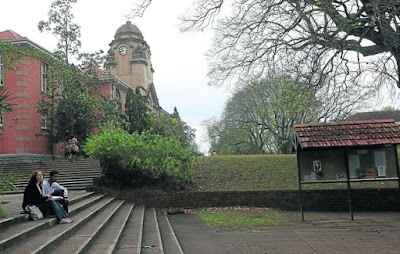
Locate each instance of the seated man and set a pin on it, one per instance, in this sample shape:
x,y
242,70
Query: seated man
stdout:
x,y
52,188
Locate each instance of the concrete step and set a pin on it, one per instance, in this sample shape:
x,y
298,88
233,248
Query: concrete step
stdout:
x,y
13,234
73,175
13,209
101,225
108,240
151,241
45,240
84,237
131,239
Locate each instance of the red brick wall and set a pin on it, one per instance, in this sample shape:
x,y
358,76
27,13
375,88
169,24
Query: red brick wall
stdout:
x,y
18,134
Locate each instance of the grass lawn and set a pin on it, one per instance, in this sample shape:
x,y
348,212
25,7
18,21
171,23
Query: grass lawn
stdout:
x,y
260,172
238,218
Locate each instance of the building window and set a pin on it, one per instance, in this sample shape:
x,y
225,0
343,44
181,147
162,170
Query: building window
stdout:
x,y
1,121
117,94
43,86
43,123
1,72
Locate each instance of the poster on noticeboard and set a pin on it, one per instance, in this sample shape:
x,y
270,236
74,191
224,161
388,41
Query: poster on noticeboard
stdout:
x,y
317,166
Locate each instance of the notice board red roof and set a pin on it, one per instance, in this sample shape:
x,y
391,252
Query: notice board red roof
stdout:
x,y
346,134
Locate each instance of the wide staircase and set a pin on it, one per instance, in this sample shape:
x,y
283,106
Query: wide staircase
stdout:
x,y
74,175
101,225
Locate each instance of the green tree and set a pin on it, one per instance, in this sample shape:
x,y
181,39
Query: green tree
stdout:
x,y
72,102
136,110
259,117
61,24
226,139
171,125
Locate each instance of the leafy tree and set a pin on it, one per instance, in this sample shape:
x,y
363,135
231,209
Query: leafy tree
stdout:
x,y
351,38
60,23
72,102
171,125
136,110
260,116
226,139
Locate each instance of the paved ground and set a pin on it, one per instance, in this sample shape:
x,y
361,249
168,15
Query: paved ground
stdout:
x,y
323,233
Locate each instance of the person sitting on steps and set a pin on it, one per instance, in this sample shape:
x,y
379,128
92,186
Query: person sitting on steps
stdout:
x,y
52,187
33,194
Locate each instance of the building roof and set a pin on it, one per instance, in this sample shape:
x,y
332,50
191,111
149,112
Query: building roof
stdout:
x,y
395,115
128,29
347,134
9,35
16,39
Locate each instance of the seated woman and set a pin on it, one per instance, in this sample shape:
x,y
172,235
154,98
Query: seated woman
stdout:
x,y
33,196
33,193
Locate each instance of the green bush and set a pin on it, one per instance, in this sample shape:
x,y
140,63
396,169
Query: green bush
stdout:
x,y
138,160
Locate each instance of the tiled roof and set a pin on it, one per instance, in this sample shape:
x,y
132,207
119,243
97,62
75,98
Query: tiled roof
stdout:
x,y
345,134
9,35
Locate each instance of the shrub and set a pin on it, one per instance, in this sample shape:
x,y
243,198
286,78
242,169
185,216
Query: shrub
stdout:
x,y
139,160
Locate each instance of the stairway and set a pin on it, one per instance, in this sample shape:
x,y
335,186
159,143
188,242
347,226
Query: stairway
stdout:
x,y
73,175
101,225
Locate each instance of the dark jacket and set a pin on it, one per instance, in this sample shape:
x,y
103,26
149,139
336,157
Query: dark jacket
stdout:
x,y
32,196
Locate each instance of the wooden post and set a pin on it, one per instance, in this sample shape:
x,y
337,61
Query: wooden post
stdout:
x,y
346,159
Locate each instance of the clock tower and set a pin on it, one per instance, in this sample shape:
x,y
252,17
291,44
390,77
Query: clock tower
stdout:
x,y
131,53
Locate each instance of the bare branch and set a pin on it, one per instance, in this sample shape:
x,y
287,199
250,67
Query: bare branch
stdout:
x,y
139,9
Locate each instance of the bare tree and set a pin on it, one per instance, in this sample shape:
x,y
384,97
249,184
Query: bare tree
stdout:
x,y
350,37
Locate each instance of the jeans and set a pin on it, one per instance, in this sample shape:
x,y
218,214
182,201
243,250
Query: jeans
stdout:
x,y
58,210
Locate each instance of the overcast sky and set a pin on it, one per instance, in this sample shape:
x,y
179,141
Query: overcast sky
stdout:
x,y
178,59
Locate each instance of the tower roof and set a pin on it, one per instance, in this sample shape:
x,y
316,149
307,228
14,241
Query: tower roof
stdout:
x,y
128,29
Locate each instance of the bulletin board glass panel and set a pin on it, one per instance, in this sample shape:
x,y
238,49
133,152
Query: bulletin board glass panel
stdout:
x,y
372,163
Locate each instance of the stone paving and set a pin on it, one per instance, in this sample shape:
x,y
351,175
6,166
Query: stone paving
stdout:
x,y
325,233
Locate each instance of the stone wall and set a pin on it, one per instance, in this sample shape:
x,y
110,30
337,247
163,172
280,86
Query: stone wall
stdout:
x,y
314,200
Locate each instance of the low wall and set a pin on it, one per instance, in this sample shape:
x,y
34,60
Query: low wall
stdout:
x,y
313,200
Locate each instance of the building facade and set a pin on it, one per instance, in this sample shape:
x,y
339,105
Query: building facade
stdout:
x,y
23,130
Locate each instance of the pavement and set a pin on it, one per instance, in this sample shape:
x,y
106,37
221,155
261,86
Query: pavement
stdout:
x,y
321,232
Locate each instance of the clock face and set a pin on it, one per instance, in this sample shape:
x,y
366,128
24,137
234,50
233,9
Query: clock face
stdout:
x,y
123,50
